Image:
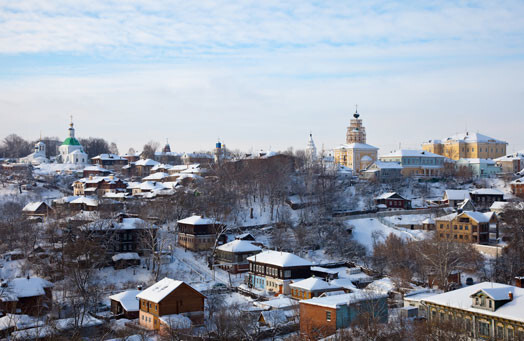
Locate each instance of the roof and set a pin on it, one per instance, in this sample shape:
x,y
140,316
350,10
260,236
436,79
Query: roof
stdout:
x,y
176,321
473,137
85,200
96,168
125,256
313,284
70,141
197,220
461,299
156,176
479,217
158,291
146,162
412,153
278,303
498,205
511,157
487,191
346,299
476,160
33,206
389,195
127,299
278,258
356,146
108,157
239,246
388,165
25,287
456,194
517,181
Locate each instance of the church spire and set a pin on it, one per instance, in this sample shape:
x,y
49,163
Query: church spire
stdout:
x,y
71,129
356,114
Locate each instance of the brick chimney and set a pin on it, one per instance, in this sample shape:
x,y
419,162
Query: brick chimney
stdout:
x,y
519,280
510,296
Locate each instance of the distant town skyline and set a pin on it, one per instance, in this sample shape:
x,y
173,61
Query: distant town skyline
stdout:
x,y
262,75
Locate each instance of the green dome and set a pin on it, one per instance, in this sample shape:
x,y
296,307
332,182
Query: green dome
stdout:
x,y
71,141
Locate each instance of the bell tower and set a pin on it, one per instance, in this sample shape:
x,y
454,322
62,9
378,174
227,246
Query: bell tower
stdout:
x,y
356,132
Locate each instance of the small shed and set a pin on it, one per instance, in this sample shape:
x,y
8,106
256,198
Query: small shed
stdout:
x,y
125,260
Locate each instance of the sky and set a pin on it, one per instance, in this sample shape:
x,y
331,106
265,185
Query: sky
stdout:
x,y
262,74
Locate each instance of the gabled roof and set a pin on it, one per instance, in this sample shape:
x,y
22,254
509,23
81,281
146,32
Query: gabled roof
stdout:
x,y
498,294
461,299
156,176
346,299
487,191
278,258
387,165
106,157
158,291
127,299
479,217
197,220
25,287
390,195
456,194
146,162
33,206
239,246
313,284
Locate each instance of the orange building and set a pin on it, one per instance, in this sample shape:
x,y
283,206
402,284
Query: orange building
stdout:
x,y
166,298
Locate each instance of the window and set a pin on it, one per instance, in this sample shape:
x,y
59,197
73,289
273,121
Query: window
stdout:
x,y
484,328
328,316
500,332
287,274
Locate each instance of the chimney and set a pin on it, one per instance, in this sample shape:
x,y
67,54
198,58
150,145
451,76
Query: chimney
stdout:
x,y
139,287
510,296
519,281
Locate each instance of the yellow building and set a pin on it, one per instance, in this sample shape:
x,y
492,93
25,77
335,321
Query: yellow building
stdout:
x,y
356,154
467,146
467,227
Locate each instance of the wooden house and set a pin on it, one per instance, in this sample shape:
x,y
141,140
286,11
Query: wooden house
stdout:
x,y
169,297
234,255
109,160
125,304
198,233
467,227
273,271
393,200
95,170
483,198
37,209
454,197
517,187
30,295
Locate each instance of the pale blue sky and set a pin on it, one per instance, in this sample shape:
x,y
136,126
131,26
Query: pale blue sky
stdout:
x,y
262,74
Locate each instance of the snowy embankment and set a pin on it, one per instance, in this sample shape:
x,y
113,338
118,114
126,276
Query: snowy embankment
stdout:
x,y
366,230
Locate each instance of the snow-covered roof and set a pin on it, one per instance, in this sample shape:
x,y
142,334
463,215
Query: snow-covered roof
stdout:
x,y
158,291
146,162
278,303
428,221
518,181
151,186
278,258
384,285
356,146
511,157
239,246
25,287
127,299
387,195
106,157
412,153
274,318
197,220
161,166
125,256
176,321
456,194
20,321
89,201
346,299
487,191
33,206
498,205
156,176
388,165
476,161
461,299
479,217
473,137
96,168
313,284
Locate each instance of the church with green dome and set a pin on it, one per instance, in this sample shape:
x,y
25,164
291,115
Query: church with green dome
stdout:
x,y
71,151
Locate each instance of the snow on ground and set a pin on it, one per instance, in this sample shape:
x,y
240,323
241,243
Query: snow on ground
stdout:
x,y
123,278
56,168
365,229
11,192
